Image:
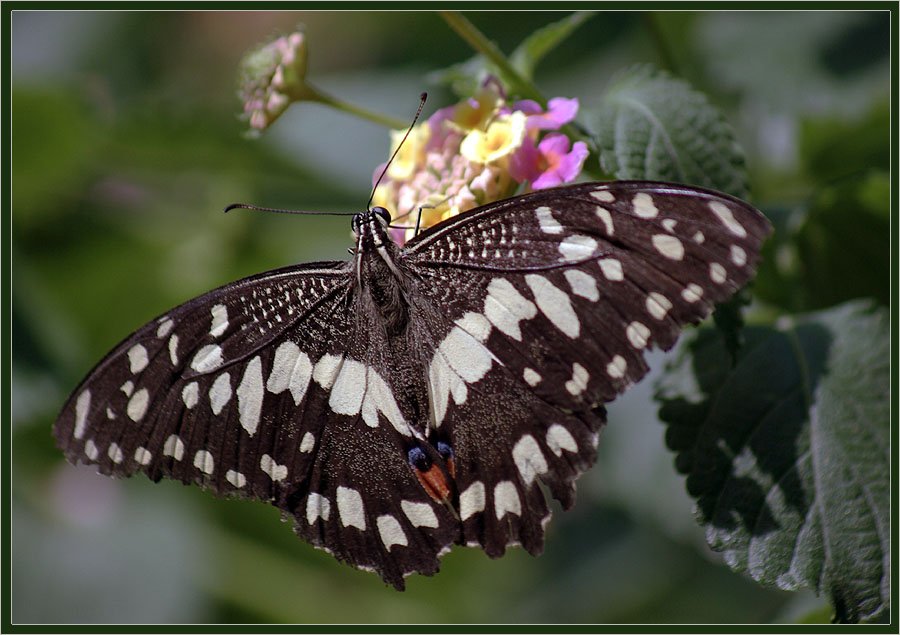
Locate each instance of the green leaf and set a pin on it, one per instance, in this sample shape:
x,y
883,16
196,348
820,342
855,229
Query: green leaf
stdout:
x,y
833,147
533,48
834,250
787,452
651,125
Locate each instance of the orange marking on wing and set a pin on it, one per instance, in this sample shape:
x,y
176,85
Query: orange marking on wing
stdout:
x,y
434,483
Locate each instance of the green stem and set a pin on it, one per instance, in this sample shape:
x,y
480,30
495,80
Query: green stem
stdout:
x,y
478,41
524,86
311,93
666,59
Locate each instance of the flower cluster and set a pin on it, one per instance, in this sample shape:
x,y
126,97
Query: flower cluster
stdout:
x,y
271,77
475,152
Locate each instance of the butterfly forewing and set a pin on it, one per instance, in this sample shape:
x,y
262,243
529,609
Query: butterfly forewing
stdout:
x,y
420,397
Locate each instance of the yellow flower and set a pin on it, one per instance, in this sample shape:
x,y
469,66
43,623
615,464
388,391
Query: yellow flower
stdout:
x,y
502,136
471,114
412,153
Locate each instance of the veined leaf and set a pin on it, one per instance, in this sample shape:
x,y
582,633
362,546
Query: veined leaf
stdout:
x,y
651,125
787,453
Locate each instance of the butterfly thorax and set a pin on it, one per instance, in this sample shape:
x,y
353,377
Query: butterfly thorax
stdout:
x,y
380,279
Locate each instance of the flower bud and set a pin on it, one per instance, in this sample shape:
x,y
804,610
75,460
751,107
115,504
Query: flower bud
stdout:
x,y
271,78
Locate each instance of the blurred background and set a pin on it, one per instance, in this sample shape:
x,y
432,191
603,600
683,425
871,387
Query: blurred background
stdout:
x,y
126,147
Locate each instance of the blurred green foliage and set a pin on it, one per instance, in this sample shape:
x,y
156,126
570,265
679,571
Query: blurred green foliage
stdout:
x,y
126,147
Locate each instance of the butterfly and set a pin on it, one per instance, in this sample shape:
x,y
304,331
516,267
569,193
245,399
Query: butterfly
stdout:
x,y
417,397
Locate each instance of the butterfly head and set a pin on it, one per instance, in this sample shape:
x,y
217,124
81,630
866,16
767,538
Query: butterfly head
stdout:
x,y
363,221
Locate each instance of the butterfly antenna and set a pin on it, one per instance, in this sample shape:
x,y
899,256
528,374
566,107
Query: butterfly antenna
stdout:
x,y
257,208
418,222
422,99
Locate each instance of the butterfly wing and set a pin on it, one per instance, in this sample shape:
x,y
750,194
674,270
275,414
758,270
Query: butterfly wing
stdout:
x,y
551,300
266,389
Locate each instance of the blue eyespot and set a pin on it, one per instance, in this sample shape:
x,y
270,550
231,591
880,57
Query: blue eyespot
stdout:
x,y
445,450
418,459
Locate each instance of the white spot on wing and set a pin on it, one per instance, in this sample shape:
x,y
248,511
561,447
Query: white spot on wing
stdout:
x,y
559,439
308,443
250,396
137,405
350,508
165,325
207,358
669,224
578,383
115,453
604,215
419,514
668,246
465,355
643,205
143,456
723,212
190,394
549,225
326,369
235,478
476,325
657,305
582,284
472,500
220,393
529,459
268,465
137,358
219,320
317,506
505,307
738,256
612,269
638,334
692,293
604,196
717,273
291,370
506,500
174,447
348,389
531,377
173,349
90,450
390,532
554,304
203,461
379,398
617,367
577,247
82,406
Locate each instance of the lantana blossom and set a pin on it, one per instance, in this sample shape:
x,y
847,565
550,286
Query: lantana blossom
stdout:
x,y
478,151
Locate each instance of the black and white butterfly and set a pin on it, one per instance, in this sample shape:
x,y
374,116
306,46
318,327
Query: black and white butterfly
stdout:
x,y
416,397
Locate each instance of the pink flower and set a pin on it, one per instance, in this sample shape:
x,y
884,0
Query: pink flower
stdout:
x,y
560,111
549,164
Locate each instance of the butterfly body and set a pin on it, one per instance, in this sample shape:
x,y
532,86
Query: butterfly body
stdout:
x,y
416,397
